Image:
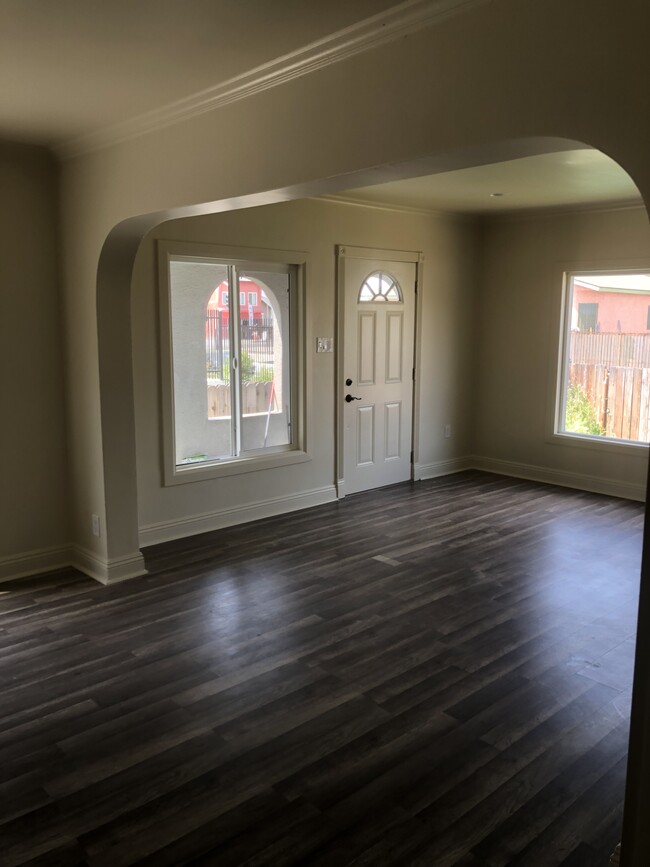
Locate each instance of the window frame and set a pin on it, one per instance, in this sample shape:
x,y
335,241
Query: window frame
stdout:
x,y
556,405
242,258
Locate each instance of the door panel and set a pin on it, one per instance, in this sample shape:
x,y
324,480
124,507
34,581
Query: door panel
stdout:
x,y
393,417
394,349
365,435
378,325
366,349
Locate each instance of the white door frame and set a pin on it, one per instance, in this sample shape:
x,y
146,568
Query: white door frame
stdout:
x,y
345,251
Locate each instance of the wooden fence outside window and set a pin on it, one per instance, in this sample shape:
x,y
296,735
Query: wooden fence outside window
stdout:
x,y
614,371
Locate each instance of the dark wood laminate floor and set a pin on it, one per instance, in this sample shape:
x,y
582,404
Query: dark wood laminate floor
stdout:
x,y
431,675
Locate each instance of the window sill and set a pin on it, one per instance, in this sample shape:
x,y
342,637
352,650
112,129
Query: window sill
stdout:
x,y
234,466
600,444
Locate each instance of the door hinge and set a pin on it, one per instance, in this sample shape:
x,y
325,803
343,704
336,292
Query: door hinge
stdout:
x,y
413,374
411,457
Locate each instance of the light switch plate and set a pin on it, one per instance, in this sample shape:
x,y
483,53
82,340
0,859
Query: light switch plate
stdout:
x,y
324,344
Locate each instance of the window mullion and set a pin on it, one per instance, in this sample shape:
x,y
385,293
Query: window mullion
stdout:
x,y
235,364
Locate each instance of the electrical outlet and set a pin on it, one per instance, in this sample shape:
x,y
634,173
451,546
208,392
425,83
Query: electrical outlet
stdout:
x,y
447,431
96,526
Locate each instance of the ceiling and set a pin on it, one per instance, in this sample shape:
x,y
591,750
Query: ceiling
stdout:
x,y
72,69
573,178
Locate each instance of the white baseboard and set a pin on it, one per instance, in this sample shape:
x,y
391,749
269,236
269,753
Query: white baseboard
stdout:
x,y
581,481
122,568
166,531
107,571
34,563
441,468
51,559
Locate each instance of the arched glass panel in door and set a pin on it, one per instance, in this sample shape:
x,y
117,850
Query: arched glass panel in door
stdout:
x,y
380,286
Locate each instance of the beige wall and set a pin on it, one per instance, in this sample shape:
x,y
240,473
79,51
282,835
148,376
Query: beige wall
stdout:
x,y
448,93
34,488
449,281
430,102
488,347
522,264
502,71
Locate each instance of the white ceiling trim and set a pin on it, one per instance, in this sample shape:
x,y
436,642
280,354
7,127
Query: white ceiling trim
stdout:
x,y
518,214
401,20
391,206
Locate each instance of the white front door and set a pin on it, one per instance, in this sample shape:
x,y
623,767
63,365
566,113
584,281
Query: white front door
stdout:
x,y
377,370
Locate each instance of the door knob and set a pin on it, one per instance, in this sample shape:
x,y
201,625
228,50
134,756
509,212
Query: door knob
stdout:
x,y
349,398
348,381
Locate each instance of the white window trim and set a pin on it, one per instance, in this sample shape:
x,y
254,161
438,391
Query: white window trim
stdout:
x,y
172,474
563,273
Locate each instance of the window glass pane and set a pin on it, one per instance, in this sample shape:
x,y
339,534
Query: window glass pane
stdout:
x,y
366,293
200,358
606,388
587,317
266,363
380,287
231,363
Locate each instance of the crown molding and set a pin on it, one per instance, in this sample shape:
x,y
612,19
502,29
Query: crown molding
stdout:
x,y
541,212
528,213
397,209
402,20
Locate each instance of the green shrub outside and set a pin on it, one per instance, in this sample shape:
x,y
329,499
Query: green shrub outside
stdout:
x,y
580,413
247,369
